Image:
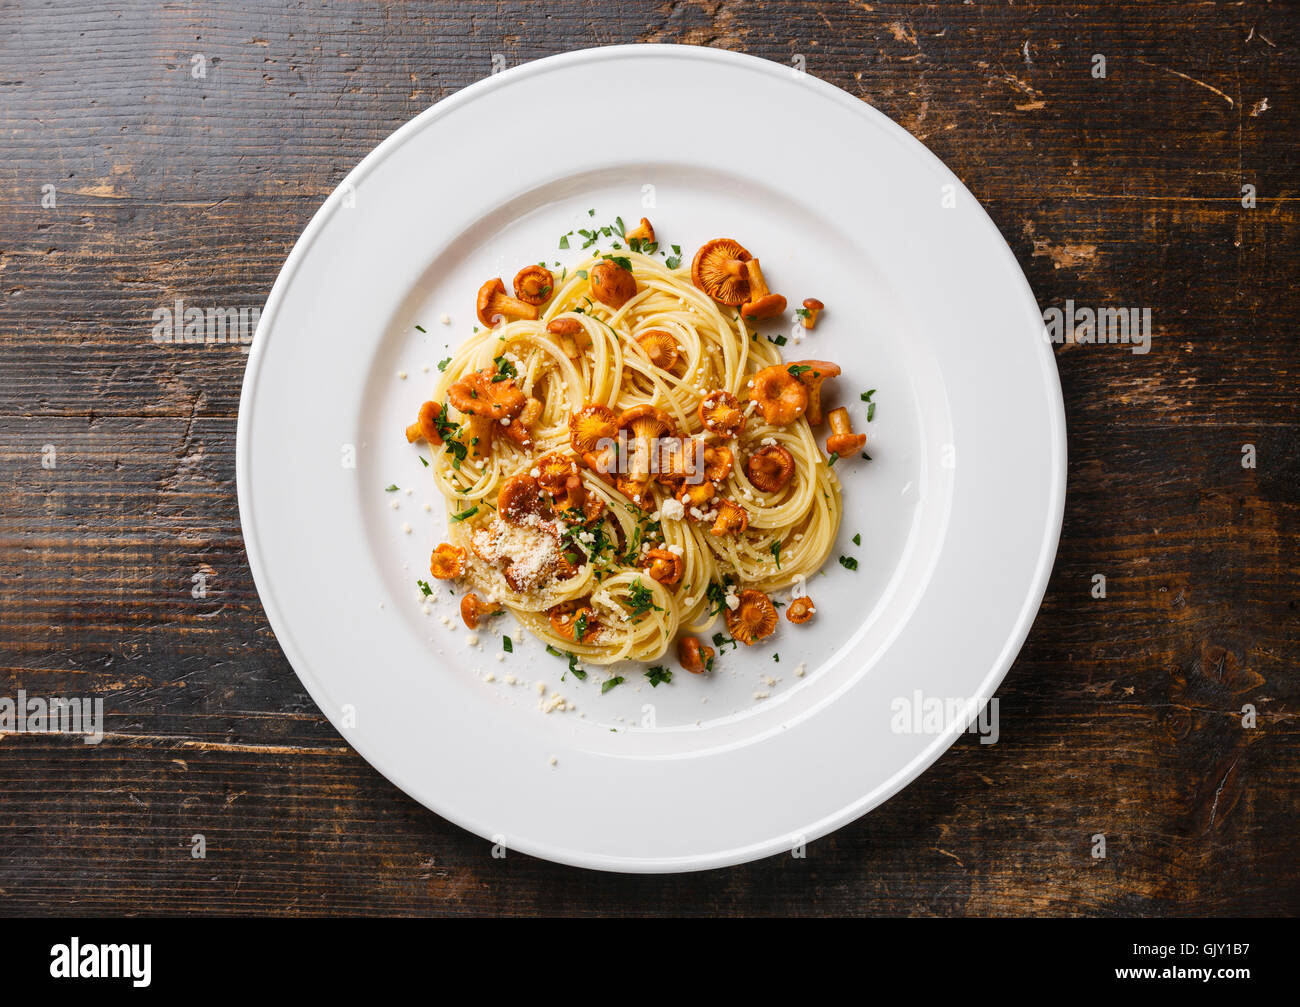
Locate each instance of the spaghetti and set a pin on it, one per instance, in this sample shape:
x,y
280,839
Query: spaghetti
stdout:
x,y
632,461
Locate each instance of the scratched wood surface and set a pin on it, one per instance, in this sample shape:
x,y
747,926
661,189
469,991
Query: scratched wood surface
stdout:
x,y
1121,715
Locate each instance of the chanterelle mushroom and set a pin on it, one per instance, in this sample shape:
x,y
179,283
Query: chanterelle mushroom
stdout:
x,y
717,462
487,403
646,423
719,270
643,232
781,397
664,566
660,347
590,425
843,441
611,284
534,284
575,621
694,656
426,424
811,373
753,619
811,309
520,429
519,497
731,517
721,414
473,610
770,468
573,338
447,562
762,303
495,305
801,610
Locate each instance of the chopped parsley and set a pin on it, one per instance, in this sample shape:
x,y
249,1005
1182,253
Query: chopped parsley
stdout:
x,y
830,462
564,241
658,674
578,673
425,589
802,312
505,368
421,328
622,261
717,595
580,626
508,645
609,683
797,369
776,553
442,364
641,600
857,539
391,488
721,641
465,514
848,562
423,461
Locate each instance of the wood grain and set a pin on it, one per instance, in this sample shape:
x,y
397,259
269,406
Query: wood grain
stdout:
x,y
1121,716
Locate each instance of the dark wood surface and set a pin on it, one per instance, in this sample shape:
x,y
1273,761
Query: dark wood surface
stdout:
x,y
1121,716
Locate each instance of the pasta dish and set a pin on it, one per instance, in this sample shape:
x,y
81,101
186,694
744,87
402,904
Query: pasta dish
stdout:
x,y
625,458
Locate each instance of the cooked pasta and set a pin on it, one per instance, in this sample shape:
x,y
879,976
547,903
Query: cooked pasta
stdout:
x,y
634,461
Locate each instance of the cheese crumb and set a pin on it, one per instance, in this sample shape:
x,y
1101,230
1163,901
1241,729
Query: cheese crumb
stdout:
x,y
445,319
672,509
799,670
471,640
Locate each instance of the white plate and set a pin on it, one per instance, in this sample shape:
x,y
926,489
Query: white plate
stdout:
x,y
958,512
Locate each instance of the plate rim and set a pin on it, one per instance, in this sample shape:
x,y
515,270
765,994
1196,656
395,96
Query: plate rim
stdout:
x,y
1015,637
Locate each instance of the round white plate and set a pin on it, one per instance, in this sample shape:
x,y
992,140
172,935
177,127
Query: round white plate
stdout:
x,y
958,512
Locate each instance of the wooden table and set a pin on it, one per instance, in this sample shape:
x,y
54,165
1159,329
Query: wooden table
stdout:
x,y
176,151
